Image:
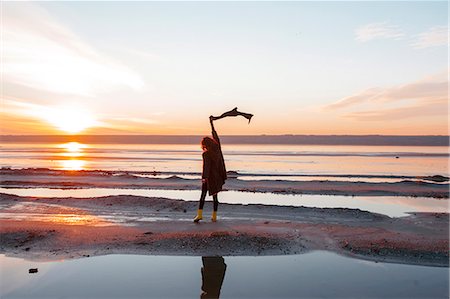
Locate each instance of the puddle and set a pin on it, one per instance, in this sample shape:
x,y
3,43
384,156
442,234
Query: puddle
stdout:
x,y
393,206
317,274
35,211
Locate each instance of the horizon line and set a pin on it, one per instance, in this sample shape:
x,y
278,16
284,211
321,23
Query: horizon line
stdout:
x,y
229,135
286,139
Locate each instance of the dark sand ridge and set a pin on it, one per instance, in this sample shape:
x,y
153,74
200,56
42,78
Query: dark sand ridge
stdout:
x,y
421,238
391,140
30,178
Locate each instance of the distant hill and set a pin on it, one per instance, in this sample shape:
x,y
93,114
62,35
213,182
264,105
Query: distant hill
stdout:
x,y
238,139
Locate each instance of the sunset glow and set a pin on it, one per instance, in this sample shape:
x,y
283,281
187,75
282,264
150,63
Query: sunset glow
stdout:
x,y
70,119
364,68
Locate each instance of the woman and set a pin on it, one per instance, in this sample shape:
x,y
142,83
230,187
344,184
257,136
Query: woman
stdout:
x,y
214,172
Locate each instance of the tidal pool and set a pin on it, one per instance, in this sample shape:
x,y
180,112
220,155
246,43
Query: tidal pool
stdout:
x,y
317,274
392,206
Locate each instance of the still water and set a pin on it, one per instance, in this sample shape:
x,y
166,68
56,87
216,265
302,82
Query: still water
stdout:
x,y
392,206
317,274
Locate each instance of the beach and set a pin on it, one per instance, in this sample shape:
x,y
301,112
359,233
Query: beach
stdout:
x,y
55,228
96,199
115,211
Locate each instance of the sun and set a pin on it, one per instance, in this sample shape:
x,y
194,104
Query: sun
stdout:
x,y
70,119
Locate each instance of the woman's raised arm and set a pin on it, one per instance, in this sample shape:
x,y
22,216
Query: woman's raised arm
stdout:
x,y
213,130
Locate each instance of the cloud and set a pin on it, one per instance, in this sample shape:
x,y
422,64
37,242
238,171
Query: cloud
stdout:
x,y
431,108
429,88
434,37
382,30
135,120
18,107
363,96
21,125
425,97
41,53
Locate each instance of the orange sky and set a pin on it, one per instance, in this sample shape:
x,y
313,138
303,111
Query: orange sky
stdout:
x,y
65,72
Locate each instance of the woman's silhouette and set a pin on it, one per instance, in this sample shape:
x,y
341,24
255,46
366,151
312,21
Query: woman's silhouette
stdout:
x,y
213,273
214,173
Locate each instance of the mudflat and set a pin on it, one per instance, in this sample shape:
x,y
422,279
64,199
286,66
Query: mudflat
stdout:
x,y
52,228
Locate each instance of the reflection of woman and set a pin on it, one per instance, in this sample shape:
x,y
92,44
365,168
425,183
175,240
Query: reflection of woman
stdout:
x,y
213,273
214,172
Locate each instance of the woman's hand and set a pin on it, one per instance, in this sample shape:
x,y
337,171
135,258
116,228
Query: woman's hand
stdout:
x,y
204,180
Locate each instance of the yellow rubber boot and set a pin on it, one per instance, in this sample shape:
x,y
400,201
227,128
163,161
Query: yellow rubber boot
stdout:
x,y
214,216
199,216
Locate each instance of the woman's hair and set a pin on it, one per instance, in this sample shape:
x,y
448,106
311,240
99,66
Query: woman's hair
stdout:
x,y
209,144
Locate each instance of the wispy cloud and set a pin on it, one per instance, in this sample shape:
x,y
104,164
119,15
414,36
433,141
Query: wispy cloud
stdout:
x,y
434,37
358,98
135,120
130,125
429,88
41,53
423,109
382,30
425,97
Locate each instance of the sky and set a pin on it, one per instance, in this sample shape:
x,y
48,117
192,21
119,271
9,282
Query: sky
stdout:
x,y
163,67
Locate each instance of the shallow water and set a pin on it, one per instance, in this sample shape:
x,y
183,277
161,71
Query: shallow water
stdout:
x,y
317,274
268,158
393,206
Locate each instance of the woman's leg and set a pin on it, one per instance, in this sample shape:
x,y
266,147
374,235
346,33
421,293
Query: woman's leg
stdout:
x,y
203,195
216,205
216,202
201,203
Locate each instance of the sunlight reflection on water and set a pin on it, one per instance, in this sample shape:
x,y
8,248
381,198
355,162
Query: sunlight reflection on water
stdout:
x,y
72,164
36,211
272,159
72,153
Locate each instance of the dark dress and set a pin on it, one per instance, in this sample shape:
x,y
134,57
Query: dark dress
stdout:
x,y
214,168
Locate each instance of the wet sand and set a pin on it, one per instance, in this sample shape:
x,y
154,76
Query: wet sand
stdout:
x,y
55,228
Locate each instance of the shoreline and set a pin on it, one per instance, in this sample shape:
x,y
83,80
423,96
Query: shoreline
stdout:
x,y
81,227
35,178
